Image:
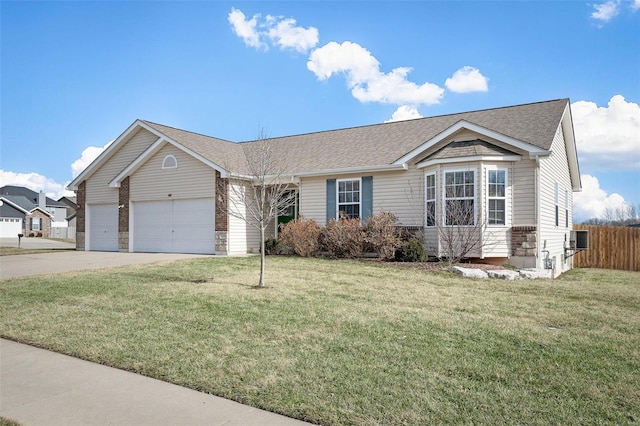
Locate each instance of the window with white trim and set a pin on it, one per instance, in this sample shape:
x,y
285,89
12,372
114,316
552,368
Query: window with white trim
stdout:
x,y
35,223
496,197
430,199
459,198
169,162
557,200
348,198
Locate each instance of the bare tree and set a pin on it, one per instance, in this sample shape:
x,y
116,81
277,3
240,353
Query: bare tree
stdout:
x,y
262,192
461,234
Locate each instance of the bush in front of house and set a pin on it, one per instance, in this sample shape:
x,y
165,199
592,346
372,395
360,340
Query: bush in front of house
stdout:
x,y
343,238
271,246
300,237
382,236
412,250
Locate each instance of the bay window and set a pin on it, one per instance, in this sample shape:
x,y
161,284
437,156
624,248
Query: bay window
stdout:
x,y
496,197
459,198
430,199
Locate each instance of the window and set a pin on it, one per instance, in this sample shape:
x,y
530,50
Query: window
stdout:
x,y
35,223
459,197
430,199
497,196
566,208
169,162
349,198
557,199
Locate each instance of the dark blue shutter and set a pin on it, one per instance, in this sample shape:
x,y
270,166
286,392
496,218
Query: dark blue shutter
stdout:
x,y
331,199
30,223
367,198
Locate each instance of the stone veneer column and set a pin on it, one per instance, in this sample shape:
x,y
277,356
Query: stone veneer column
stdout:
x,y
80,215
222,218
123,215
523,241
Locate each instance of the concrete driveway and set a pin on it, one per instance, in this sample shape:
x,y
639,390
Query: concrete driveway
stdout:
x,y
36,243
57,262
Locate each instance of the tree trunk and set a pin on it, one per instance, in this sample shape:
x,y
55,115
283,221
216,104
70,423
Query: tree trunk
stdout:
x,y
262,257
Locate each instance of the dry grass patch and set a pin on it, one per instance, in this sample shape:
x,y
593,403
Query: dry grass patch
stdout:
x,y
350,342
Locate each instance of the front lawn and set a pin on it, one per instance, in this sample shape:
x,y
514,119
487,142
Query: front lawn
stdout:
x,y
350,342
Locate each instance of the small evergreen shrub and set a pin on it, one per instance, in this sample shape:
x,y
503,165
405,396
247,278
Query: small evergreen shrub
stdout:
x,y
300,237
411,250
343,238
39,234
382,236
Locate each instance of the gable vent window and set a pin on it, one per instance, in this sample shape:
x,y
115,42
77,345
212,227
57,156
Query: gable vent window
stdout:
x,y
169,162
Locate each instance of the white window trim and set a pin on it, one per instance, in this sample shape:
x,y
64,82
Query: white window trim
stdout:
x,y
168,157
435,197
338,195
474,198
566,208
506,197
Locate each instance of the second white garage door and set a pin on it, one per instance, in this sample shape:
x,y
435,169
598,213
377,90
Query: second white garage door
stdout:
x,y
174,226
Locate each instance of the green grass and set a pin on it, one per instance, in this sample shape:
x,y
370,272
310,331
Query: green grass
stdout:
x,y
348,342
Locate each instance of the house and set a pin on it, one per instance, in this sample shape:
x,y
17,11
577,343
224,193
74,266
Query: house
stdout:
x,y
157,188
23,211
70,216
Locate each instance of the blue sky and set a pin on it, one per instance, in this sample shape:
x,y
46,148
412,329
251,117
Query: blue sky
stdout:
x,y
74,75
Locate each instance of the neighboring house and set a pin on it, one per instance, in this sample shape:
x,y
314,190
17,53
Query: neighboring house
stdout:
x,y
23,211
70,216
157,188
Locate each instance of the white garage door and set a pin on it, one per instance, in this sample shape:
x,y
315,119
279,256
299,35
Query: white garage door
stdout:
x,y
103,227
174,226
10,227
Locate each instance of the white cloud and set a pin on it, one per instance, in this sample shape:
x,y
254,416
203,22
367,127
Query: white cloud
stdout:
x,y
246,29
282,32
35,182
606,11
88,155
608,137
286,35
467,79
635,5
364,78
404,113
594,202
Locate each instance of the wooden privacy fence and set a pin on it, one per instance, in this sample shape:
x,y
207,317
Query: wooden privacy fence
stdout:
x,y
610,247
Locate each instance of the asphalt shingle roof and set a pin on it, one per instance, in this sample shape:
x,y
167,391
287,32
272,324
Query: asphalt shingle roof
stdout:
x,y
380,144
468,149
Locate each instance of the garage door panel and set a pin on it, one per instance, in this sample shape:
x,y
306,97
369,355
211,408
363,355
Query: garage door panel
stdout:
x,y
10,227
103,227
175,226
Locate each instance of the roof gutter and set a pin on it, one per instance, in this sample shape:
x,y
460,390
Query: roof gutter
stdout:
x,y
352,170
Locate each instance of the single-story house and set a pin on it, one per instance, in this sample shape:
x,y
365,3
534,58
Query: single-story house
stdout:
x,y
157,188
23,211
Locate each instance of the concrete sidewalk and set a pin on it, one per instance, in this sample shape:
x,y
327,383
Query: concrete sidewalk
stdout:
x,y
39,387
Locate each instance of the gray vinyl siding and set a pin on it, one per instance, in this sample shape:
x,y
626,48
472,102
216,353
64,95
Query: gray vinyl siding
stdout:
x,y
97,189
243,237
191,179
554,168
524,193
396,192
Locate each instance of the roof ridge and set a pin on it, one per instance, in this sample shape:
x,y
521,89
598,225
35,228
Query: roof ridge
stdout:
x,y
365,125
188,131
409,120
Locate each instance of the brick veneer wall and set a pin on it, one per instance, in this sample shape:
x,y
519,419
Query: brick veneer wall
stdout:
x,y
523,241
81,195
45,224
123,215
